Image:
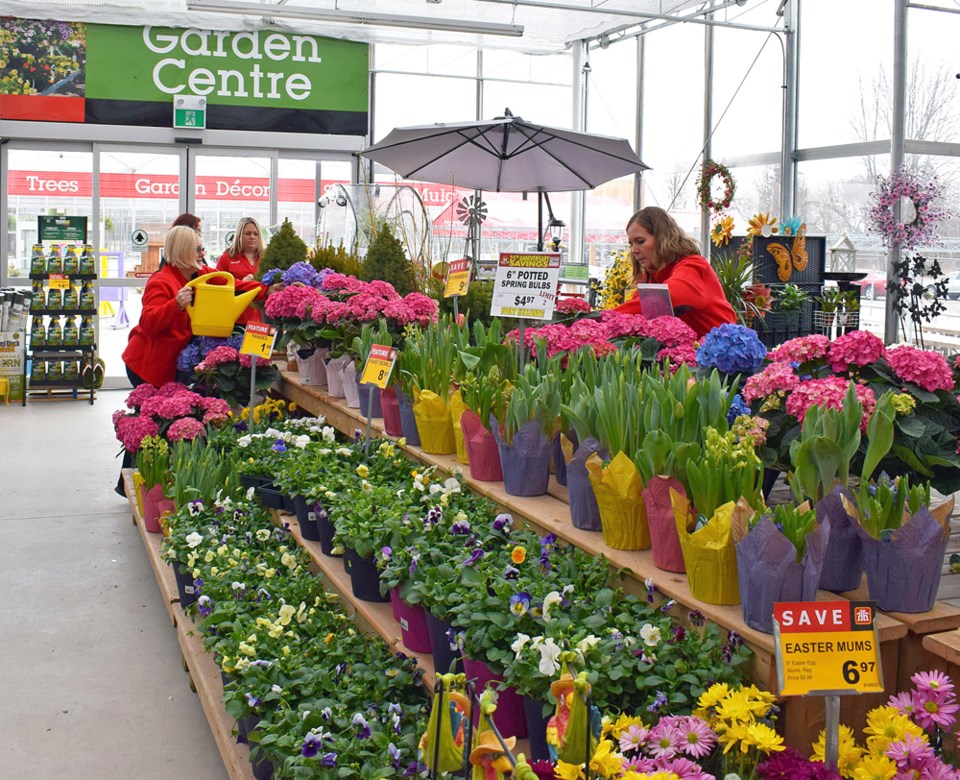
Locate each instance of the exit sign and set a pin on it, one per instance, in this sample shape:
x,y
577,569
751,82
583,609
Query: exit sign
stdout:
x,y
189,112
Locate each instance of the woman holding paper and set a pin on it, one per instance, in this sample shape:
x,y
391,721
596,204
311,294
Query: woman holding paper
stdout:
x,y
663,254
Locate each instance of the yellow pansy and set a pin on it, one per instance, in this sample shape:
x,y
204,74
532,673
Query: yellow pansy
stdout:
x,y
276,631
287,612
362,471
246,649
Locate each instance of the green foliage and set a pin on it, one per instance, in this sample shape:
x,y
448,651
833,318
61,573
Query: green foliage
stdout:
x,y
337,259
153,461
386,261
475,305
284,249
200,472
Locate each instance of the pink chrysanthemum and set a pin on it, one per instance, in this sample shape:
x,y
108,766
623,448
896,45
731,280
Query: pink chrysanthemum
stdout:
x,y
133,429
683,768
643,764
856,348
934,708
800,350
186,428
139,394
929,370
934,680
633,738
776,377
902,703
697,739
664,741
910,753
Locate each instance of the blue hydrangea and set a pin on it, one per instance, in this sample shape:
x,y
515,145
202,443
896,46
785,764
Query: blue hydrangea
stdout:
x,y
302,272
271,276
737,408
189,356
732,349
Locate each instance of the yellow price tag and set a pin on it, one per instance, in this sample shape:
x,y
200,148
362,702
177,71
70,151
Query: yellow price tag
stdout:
x,y
827,647
258,340
379,366
59,282
458,278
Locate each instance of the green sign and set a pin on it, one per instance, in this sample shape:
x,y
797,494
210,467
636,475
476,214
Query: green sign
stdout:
x,y
62,229
259,68
575,272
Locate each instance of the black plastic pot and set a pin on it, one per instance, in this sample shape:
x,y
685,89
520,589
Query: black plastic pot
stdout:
x,y
307,518
364,577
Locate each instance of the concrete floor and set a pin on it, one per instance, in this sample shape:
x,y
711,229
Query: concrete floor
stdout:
x,y
93,687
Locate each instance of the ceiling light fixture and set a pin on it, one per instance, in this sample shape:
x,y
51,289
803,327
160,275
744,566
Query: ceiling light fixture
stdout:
x,y
356,17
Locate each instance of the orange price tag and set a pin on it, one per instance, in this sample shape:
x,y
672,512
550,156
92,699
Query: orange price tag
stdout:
x,y
59,282
258,340
379,366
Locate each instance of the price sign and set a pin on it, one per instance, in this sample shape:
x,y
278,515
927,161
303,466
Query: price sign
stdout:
x,y
59,282
258,340
525,285
826,647
379,366
458,278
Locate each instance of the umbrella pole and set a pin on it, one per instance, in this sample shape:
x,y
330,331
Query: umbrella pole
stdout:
x,y
539,221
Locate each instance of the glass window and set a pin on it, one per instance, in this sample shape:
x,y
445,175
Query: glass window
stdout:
x,y
436,58
439,100
297,195
932,113
541,68
612,99
537,103
229,187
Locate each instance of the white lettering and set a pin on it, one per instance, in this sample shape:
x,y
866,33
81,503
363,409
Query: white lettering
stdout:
x,y
38,184
253,39
202,81
303,41
276,47
164,43
220,35
240,91
257,75
201,49
274,78
156,75
298,86
804,619
238,190
146,186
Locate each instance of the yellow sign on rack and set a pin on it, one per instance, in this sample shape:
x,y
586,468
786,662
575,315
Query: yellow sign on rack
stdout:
x,y
258,340
59,282
379,366
458,278
826,647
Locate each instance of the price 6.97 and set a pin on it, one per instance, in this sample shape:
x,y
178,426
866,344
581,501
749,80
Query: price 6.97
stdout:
x,y
853,669
522,300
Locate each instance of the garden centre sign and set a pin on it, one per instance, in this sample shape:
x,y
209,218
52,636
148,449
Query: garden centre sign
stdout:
x,y
251,80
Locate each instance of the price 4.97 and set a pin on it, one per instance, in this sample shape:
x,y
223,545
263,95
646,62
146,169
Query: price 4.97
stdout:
x,y
523,300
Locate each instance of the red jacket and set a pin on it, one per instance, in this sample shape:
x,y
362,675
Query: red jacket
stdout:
x,y
155,343
695,292
240,267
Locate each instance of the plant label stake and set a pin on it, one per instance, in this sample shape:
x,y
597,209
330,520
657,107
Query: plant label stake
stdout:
x,y
458,282
376,372
830,649
525,287
258,341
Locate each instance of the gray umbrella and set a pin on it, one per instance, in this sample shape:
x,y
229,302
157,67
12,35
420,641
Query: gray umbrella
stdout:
x,y
506,154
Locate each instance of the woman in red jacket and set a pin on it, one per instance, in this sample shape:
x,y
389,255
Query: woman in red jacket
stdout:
x,y
242,259
164,327
663,254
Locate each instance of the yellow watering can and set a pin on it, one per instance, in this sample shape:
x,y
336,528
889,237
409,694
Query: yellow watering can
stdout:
x,y
215,308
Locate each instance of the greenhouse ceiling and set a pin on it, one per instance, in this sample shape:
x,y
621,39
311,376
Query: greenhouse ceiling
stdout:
x,y
533,26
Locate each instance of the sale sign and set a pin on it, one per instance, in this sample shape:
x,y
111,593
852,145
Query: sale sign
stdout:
x,y
525,285
826,647
458,278
258,340
379,366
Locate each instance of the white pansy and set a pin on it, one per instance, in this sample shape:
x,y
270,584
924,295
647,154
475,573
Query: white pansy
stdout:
x,y
302,441
549,601
251,493
650,635
588,643
244,441
193,539
519,644
276,689
328,434
549,655
344,452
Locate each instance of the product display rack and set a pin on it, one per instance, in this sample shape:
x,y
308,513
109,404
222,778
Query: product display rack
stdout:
x,y
64,387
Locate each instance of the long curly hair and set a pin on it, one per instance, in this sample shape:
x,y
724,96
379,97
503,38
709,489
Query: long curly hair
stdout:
x,y
672,242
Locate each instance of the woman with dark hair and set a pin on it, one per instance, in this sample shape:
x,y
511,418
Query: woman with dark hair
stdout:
x,y
661,253
242,259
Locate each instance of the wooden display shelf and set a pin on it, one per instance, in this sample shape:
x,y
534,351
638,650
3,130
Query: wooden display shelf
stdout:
x,y
204,673
802,717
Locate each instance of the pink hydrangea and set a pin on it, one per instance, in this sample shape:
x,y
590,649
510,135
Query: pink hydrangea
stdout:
x,y
117,416
572,306
856,348
424,308
133,429
291,302
925,368
186,428
800,350
336,311
829,393
670,331
214,409
180,405
217,357
383,289
620,324
398,313
169,389
364,306
775,378
139,394
341,283
682,353
245,361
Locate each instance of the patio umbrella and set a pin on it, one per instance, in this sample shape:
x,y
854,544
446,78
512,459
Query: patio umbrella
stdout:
x,y
506,154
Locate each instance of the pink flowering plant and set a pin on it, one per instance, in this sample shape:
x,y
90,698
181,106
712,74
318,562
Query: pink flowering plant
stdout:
x,y
172,411
812,370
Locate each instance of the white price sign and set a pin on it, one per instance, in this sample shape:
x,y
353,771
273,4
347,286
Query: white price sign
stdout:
x,y
525,285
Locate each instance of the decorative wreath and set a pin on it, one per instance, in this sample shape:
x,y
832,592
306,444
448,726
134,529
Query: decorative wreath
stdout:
x,y
922,230
710,169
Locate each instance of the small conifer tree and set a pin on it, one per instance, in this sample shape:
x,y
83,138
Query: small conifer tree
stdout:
x,y
284,249
337,259
386,260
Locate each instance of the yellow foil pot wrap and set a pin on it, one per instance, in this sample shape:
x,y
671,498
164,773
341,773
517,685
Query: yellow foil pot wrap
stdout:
x,y
710,554
618,488
138,487
457,408
434,423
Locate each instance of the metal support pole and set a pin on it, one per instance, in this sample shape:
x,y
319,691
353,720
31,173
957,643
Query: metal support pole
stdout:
x,y
832,747
788,143
638,137
253,391
897,133
707,125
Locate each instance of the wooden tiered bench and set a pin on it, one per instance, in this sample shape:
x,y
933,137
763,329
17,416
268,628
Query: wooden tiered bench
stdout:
x,y
204,674
802,718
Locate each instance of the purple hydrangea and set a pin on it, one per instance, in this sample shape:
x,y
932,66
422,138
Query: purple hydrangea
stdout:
x,y
300,273
732,349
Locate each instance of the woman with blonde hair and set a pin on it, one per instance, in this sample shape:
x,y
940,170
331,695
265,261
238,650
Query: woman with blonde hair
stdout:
x,y
661,253
164,327
242,259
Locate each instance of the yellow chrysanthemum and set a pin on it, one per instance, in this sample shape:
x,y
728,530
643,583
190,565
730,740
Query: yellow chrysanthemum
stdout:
x,y
763,738
762,224
565,771
711,698
605,761
722,232
731,734
886,725
621,724
848,751
876,768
